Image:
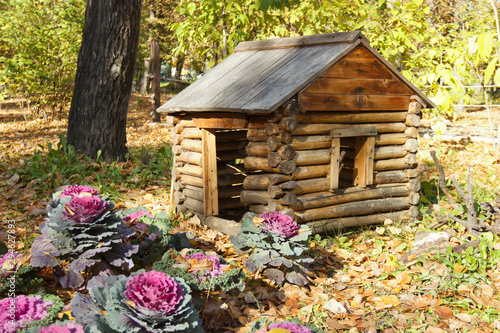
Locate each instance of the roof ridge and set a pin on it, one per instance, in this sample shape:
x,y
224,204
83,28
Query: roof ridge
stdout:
x,y
300,41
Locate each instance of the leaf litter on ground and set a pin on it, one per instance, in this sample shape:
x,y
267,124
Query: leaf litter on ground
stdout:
x,y
359,283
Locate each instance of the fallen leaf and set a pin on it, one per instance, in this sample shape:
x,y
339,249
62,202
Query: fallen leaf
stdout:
x,y
391,299
433,329
464,317
403,278
443,312
334,307
380,231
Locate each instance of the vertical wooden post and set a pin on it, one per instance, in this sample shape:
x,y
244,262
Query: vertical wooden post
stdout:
x,y
363,162
335,164
210,192
370,157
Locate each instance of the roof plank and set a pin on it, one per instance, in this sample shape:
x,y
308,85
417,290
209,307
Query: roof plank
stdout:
x,y
300,41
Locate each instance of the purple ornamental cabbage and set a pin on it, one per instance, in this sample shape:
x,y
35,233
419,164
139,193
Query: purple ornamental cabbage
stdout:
x,y
280,224
16,313
216,268
84,231
70,327
292,327
84,209
154,291
76,191
132,218
5,272
143,302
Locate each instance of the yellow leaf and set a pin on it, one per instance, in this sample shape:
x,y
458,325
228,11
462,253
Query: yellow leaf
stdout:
x,y
457,268
403,278
392,261
392,300
68,313
279,330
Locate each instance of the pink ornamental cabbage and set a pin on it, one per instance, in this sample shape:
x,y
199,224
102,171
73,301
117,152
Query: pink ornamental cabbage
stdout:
x,y
132,218
154,291
8,256
16,313
216,268
279,224
84,209
70,327
292,327
77,191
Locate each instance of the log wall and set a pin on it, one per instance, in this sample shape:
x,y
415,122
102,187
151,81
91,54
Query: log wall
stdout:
x,y
187,174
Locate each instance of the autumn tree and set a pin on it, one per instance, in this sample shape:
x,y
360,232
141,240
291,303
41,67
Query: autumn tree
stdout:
x,y
98,115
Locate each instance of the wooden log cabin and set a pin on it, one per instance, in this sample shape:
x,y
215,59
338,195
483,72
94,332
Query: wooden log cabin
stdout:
x,y
319,127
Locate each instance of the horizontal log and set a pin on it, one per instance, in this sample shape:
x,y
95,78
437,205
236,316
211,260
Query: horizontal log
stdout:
x,y
321,128
229,191
260,163
382,152
274,143
392,164
310,171
414,185
179,197
193,192
273,159
411,145
411,132
191,157
255,197
289,199
272,206
178,185
351,118
192,170
191,180
260,149
194,205
312,157
272,129
414,198
192,145
413,120
286,152
277,191
414,107
292,108
263,181
176,149
312,185
329,102
220,120
394,176
323,199
275,116
309,142
289,124
172,120
257,135
357,208
343,223
191,133
227,227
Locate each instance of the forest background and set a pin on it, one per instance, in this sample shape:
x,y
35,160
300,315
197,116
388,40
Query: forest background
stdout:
x,y
440,46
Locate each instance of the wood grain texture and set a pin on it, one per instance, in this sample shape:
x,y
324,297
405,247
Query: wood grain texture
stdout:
x,y
328,102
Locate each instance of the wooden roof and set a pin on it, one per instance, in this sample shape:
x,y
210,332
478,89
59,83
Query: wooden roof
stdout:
x,y
262,75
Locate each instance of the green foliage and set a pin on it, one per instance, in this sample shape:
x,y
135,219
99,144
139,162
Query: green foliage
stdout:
x,y
470,267
231,280
39,44
279,257
262,324
26,280
52,167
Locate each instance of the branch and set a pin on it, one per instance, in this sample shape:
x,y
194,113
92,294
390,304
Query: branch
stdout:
x,y
442,182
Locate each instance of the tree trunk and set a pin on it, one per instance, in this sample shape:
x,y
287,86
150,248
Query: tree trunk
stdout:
x,y
155,70
98,114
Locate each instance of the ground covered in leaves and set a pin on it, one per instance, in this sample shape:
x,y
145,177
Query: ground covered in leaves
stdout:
x,y
363,280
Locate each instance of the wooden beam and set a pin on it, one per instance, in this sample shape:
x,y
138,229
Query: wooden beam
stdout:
x,y
353,131
210,190
220,120
314,129
326,102
335,164
350,117
364,86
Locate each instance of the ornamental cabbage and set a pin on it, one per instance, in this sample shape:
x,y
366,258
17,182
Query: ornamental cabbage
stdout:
x,y
16,313
276,245
82,230
292,327
280,224
58,327
144,302
210,264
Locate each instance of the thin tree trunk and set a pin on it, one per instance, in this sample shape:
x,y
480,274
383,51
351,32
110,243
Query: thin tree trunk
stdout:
x,y
98,114
155,70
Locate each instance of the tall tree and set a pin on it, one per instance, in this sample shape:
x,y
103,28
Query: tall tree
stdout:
x,y
98,114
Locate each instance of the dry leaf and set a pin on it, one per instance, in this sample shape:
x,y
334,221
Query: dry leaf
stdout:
x,y
392,300
464,317
380,231
403,278
443,312
433,329
334,307
388,222
487,290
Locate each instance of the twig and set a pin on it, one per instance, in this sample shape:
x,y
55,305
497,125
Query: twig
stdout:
x,y
442,182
